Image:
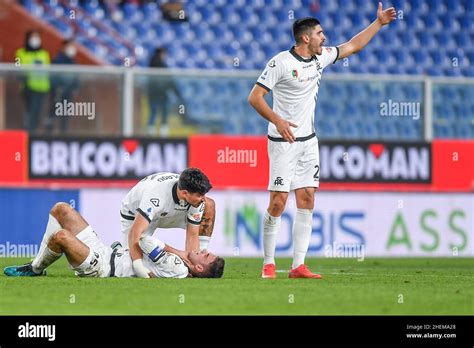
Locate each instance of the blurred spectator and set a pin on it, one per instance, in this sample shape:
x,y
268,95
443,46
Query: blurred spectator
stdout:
x,y
35,83
63,85
158,89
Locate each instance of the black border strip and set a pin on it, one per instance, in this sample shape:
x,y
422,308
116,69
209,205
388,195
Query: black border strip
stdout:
x,y
339,330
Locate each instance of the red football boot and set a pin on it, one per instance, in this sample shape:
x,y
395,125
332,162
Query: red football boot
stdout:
x,y
268,271
302,271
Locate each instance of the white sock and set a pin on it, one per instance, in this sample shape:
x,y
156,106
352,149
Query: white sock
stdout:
x,y
204,242
40,260
47,258
271,225
301,235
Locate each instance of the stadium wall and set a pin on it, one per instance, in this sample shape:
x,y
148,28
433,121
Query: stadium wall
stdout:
x,y
345,224
235,162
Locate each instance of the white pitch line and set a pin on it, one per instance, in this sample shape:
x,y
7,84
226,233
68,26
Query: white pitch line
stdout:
x,y
386,275
402,275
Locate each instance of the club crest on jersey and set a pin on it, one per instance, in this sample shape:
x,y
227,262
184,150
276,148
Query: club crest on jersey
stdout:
x,y
294,73
278,181
272,64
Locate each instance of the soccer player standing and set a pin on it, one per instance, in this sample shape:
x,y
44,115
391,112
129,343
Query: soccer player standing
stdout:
x,y
294,77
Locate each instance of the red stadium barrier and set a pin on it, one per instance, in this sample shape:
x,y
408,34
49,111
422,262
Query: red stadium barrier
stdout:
x,y
14,156
241,162
231,161
453,165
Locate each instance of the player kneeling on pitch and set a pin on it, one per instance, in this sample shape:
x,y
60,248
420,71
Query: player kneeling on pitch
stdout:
x,y
67,232
168,200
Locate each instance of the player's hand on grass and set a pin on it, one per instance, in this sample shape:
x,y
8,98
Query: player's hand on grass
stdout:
x,y
386,16
284,128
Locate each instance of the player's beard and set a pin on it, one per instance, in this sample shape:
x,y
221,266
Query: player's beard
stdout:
x,y
316,49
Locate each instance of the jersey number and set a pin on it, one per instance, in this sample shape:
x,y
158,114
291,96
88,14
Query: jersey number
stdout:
x,y
316,175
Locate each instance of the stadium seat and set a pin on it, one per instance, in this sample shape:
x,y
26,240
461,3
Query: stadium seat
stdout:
x,y
431,34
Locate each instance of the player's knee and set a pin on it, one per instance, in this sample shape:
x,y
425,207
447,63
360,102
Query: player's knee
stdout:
x,y
305,202
305,199
277,206
60,209
60,237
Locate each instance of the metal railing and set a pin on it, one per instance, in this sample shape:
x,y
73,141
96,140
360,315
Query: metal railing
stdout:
x,y
215,100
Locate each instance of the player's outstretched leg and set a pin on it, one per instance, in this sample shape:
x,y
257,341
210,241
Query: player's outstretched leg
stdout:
x,y
207,223
271,226
302,233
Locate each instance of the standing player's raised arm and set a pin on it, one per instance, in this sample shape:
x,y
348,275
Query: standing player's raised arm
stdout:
x,y
359,41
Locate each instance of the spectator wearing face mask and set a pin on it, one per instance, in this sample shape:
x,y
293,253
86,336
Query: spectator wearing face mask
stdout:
x,y
63,85
35,84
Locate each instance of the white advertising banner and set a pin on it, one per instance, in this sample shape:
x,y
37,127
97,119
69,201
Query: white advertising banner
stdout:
x,y
344,223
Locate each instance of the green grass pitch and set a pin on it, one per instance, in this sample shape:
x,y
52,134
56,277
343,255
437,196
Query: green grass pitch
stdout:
x,y
415,286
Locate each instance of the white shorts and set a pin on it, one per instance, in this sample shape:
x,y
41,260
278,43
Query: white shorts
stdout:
x,y
293,166
97,264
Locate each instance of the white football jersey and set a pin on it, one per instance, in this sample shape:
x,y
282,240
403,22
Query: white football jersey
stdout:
x,y
168,265
294,82
155,198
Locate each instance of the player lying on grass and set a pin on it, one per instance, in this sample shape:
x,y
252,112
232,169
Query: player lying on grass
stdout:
x,y
67,232
168,200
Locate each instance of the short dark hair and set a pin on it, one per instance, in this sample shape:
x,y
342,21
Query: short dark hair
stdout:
x,y
194,181
302,25
214,270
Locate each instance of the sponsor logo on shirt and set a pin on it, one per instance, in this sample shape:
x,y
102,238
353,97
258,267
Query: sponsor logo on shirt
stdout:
x,y
308,78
